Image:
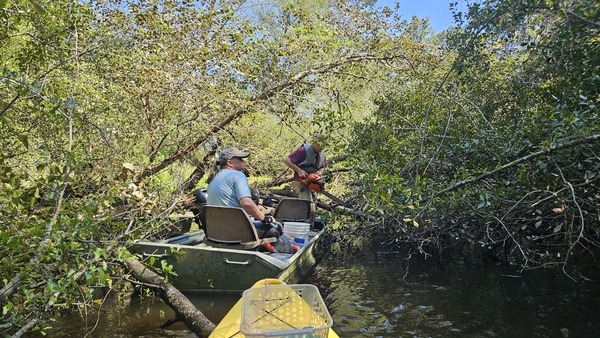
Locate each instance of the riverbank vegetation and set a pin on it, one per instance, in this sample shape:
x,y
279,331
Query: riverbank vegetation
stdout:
x,y
497,153
481,139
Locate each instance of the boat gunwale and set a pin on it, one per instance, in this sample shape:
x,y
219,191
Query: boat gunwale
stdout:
x,y
267,257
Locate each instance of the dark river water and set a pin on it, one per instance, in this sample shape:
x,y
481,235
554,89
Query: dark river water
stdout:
x,y
372,296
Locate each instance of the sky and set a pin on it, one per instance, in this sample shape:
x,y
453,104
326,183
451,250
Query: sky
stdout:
x,y
438,11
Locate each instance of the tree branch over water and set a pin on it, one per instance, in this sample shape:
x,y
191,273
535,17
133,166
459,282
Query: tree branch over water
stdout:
x,y
585,140
267,94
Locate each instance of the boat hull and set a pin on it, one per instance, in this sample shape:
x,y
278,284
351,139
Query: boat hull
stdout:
x,y
202,268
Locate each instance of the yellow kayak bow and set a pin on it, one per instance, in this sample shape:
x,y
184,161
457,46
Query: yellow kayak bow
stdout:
x,y
230,325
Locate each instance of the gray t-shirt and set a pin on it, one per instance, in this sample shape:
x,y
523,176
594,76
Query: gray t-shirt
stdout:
x,y
227,188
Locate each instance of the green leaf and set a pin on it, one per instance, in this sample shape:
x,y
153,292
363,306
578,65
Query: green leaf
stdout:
x,y
6,308
38,8
557,228
23,139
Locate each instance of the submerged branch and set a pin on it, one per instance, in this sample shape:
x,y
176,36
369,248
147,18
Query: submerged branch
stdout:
x,y
193,318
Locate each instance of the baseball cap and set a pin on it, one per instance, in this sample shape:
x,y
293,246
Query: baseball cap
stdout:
x,y
229,153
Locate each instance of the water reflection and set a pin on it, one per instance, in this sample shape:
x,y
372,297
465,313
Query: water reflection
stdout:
x,y
372,296
140,318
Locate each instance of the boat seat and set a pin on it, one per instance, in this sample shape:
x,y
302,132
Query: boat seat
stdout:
x,y
292,210
230,227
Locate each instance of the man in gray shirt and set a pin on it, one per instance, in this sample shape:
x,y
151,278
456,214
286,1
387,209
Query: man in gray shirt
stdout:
x,y
228,186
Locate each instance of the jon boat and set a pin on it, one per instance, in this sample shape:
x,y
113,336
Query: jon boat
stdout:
x,y
228,255
293,308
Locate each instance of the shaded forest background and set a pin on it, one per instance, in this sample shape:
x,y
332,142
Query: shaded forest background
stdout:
x,y
479,140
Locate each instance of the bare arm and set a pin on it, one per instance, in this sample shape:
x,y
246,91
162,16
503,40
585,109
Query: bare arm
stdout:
x,y
294,167
251,208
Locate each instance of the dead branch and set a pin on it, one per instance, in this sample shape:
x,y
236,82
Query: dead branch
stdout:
x,y
184,309
276,181
343,210
32,323
199,171
523,159
267,94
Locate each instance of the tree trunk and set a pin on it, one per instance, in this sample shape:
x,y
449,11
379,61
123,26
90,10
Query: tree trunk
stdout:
x,y
195,320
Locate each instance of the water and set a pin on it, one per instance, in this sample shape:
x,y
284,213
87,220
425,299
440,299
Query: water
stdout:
x,y
372,296
138,318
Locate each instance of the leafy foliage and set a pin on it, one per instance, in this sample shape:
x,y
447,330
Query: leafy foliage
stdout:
x,y
509,101
107,107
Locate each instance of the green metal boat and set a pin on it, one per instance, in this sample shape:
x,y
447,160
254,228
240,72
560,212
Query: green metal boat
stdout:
x,y
228,256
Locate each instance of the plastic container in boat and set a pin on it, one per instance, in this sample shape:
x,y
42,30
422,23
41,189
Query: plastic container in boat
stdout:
x,y
297,231
290,311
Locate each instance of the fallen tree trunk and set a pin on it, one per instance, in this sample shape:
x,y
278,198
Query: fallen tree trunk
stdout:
x,y
269,93
343,210
325,206
289,177
193,318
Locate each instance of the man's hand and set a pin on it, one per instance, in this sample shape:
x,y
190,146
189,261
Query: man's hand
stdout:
x,y
271,222
268,220
301,173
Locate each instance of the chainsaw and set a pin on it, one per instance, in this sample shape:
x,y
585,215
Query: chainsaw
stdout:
x,y
315,183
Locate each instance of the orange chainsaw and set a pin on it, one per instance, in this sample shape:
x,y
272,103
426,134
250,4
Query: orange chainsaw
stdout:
x,y
315,183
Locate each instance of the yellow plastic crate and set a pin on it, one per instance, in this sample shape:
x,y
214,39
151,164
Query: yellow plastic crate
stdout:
x,y
292,311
